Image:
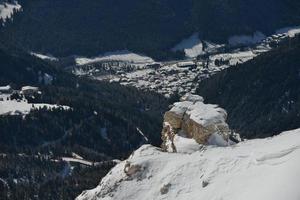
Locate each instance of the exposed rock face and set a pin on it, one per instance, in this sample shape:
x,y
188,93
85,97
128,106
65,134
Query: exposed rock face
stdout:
x,y
168,136
165,189
130,169
195,119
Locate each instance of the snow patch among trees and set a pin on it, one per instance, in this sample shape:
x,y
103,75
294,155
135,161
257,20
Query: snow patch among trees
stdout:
x,y
192,46
8,9
22,107
124,56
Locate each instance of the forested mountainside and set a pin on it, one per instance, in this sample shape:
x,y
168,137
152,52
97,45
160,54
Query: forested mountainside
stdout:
x,y
151,27
85,83
19,68
104,122
262,96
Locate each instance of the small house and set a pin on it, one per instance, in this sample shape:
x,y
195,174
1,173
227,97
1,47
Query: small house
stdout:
x,y
29,90
5,89
187,64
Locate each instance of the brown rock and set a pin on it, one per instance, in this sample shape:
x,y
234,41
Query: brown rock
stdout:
x,y
174,119
179,119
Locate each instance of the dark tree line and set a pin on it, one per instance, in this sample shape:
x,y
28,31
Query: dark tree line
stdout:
x,y
152,27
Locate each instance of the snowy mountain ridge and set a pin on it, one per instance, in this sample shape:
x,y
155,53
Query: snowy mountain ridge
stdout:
x,y
255,169
213,170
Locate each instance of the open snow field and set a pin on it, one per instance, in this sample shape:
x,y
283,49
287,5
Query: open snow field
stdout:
x,y
22,107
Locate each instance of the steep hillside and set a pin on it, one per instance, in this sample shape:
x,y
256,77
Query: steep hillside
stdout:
x,y
262,95
89,28
17,67
52,146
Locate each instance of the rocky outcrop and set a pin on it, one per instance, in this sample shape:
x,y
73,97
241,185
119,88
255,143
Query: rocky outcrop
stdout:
x,y
193,118
130,169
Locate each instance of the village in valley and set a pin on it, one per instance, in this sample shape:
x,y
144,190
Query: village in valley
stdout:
x,y
203,59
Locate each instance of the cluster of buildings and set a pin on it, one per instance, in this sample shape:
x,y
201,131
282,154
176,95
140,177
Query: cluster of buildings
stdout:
x,y
25,90
167,80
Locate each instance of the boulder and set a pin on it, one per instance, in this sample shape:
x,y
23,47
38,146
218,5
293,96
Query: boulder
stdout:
x,y
131,169
193,118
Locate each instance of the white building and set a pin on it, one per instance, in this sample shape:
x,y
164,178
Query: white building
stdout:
x,y
29,90
5,89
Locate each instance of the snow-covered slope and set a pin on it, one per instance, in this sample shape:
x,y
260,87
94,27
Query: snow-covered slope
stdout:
x,y
261,169
22,107
7,10
125,56
191,46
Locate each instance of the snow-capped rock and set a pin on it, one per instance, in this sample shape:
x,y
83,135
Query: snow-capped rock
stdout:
x,y
193,118
256,169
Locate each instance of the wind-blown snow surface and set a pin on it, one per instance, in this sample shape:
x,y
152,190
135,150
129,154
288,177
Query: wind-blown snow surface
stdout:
x,y
124,56
260,169
192,46
7,10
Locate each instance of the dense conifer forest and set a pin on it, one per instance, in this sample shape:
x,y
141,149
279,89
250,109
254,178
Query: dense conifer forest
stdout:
x,y
262,95
151,27
104,122
101,125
